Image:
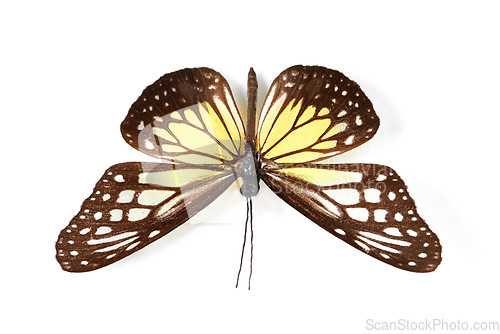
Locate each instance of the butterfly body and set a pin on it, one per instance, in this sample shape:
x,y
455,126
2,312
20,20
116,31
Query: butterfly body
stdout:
x,y
247,169
188,119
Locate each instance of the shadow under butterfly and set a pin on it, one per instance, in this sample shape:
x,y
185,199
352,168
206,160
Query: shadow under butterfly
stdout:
x,y
189,119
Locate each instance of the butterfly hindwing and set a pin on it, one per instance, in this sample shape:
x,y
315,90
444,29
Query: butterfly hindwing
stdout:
x,y
365,205
312,113
132,205
188,116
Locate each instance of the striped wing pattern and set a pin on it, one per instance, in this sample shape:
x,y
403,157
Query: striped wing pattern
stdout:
x,y
132,205
365,205
312,113
188,116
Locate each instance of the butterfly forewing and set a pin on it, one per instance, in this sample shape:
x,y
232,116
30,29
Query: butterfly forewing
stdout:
x,y
365,205
312,113
134,204
188,116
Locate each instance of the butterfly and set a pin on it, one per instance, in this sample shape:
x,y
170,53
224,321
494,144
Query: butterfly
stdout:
x,y
189,119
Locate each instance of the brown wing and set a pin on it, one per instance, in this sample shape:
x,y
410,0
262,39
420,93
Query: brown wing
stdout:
x,y
365,205
132,205
188,116
312,113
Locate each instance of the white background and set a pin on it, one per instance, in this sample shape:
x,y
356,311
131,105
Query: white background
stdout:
x,y
69,74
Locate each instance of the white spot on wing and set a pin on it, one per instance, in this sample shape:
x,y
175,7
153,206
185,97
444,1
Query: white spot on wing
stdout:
x,y
379,246
379,215
85,230
111,239
372,195
393,231
121,244
340,231
365,247
343,196
153,234
126,196
149,144
412,233
103,230
360,214
381,238
116,215
137,214
133,245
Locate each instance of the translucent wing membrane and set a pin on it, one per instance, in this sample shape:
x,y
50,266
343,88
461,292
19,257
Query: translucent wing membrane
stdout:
x,y
132,205
312,113
188,116
365,205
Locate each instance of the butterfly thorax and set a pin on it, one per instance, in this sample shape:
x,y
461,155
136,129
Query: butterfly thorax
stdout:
x,y
246,170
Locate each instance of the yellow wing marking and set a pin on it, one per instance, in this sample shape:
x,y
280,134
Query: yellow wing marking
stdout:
x,y
153,197
197,159
299,139
300,156
288,134
192,118
324,112
233,113
322,177
233,133
335,129
175,177
215,126
163,134
307,115
197,140
176,115
198,134
266,108
268,120
283,124
172,148
325,145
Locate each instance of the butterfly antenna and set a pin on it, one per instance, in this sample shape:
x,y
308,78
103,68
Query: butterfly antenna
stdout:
x,y
244,241
249,219
251,240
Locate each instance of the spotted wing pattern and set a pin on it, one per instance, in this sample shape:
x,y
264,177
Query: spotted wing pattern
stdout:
x,y
132,205
188,116
365,205
312,113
